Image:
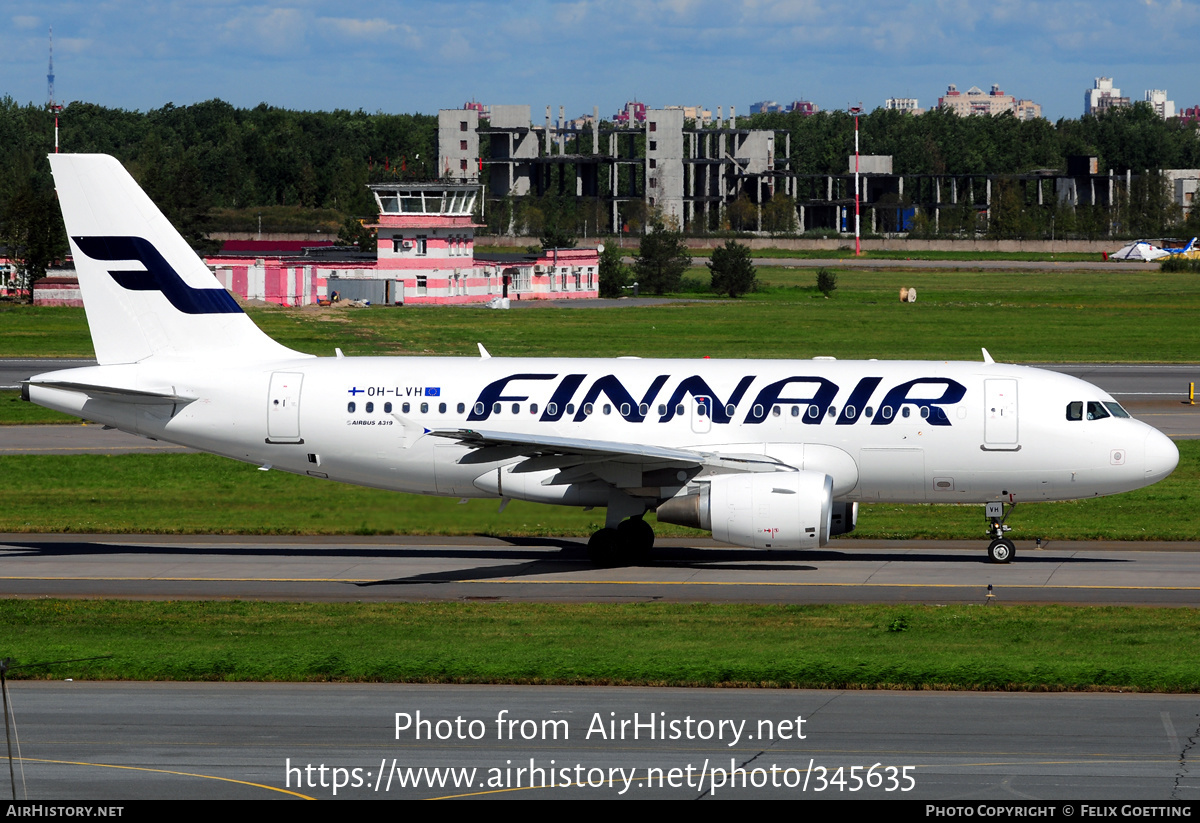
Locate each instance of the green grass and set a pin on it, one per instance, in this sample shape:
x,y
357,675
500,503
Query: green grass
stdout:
x,y
1028,316
16,412
909,647
1018,316
203,494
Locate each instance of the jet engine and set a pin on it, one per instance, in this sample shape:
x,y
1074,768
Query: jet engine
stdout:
x,y
771,510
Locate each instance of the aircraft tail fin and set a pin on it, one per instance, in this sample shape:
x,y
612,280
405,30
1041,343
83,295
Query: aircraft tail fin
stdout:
x,y
145,291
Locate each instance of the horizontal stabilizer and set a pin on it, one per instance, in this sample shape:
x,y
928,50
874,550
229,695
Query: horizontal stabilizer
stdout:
x,y
115,393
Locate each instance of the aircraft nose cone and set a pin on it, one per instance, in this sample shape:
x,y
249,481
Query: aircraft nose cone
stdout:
x,y
1161,456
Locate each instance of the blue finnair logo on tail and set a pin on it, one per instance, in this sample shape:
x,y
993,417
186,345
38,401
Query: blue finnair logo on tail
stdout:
x,y
158,276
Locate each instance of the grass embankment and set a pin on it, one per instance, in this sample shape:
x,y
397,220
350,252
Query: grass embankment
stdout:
x,y
1029,316
910,647
203,494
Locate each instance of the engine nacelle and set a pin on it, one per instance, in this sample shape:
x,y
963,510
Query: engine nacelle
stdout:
x,y
775,510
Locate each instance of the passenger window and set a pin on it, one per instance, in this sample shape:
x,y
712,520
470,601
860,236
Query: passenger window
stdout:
x,y
1096,411
662,409
570,408
405,408
730,410
533,408
758,410
424,408
625,409
370,407
924,412
869,412
813,411
702,410
551,409
478,408
775,411
831,411
849,412
608,408
462,407
387,408
495,408
441,408
886,411
588,408
350,407
516,407
679,410
905,411
795,411
644,409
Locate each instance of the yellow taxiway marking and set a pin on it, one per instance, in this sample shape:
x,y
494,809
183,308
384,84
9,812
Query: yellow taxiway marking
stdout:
x,y
168,771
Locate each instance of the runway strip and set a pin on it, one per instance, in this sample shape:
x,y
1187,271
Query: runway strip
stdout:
x,y
556,569
119,741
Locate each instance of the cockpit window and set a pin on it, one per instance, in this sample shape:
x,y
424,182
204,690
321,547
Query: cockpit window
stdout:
x,y
1075,410
1096,410
1116,409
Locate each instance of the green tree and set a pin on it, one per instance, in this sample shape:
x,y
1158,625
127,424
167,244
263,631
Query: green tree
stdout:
x,y
558,224
31,230
779,215
614,275
742,214
733,272
826,282
354,232
662,260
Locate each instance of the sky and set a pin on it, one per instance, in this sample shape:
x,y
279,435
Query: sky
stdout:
x,y
420,56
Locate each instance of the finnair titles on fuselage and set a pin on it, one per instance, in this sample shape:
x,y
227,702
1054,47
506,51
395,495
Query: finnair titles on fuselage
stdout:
x,y
764,453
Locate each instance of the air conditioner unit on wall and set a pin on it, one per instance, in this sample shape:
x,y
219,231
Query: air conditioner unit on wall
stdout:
x,y
406,245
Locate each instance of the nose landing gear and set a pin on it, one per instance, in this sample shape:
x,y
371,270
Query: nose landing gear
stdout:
x,y
1001,549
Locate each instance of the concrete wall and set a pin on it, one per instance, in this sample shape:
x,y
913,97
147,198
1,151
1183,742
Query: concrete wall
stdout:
x,y
458,143
664,161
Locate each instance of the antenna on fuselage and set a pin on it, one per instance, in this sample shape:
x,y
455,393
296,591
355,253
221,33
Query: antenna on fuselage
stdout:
x,y
987,358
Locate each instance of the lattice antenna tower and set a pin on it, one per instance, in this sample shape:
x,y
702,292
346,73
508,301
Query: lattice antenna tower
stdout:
x,y
50,71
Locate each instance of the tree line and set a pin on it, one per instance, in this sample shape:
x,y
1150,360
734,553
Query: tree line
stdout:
x,y
202,161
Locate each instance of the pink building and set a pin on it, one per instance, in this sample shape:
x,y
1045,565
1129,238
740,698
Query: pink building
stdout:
x,y
425,253
633,114
426,250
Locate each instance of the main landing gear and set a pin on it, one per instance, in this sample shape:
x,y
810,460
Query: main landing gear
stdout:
x,y
629,542
1001,549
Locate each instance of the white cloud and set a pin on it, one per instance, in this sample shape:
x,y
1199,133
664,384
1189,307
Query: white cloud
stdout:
x,y
352,27
274,31
25,21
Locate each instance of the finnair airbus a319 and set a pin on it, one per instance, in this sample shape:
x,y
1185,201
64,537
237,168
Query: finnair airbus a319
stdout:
x,y
769,454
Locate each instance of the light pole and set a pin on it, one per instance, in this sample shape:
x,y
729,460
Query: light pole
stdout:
x,y
856,111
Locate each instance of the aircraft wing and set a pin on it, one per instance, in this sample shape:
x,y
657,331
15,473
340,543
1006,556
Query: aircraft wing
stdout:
x,y
547,452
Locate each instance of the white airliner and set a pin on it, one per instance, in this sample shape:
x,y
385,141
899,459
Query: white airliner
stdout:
x,y
769,454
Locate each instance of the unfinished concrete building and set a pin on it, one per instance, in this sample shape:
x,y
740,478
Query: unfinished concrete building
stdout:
x,y
688,175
